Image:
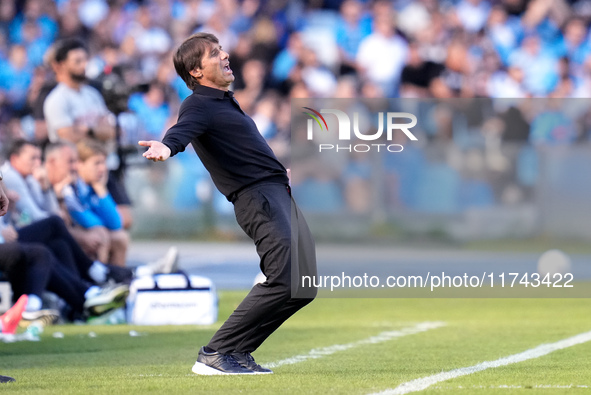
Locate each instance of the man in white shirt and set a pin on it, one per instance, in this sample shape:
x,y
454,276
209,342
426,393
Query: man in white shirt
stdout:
x,y
382,54
74,111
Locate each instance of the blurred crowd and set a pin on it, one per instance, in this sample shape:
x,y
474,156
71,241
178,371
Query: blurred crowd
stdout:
x,y
282,49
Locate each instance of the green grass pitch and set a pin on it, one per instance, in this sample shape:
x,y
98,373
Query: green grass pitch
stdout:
x,y
476,330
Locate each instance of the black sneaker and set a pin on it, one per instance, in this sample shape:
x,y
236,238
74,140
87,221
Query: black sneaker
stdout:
x,y
214,363
6,379
246,360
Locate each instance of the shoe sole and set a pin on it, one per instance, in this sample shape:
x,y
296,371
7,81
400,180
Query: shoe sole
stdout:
x,y
255,372
204,370
118,301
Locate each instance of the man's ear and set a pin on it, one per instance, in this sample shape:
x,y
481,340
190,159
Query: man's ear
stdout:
x,y
196,73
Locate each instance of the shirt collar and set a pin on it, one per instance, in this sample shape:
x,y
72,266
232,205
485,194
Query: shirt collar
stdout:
x,y
207,91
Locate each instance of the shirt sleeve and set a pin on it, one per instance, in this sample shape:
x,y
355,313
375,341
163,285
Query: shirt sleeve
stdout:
x,y
81,215
101,213
106,209
26,205
192,122
44,199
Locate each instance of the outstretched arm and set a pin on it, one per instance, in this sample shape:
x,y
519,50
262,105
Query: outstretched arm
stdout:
x,y
157,152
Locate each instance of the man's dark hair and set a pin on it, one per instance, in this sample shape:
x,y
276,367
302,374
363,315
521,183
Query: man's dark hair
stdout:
x,y
63,47
16,147
190,54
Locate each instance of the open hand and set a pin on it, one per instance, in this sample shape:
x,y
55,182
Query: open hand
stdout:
x,y
157,152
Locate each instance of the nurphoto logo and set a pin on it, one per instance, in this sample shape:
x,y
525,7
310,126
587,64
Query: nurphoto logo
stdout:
x,y
344,130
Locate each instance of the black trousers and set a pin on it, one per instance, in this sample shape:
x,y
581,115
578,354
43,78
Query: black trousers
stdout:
x,y
269,216
53,233
32,268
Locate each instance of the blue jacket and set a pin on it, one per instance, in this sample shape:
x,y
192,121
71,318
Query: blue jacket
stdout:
x,y
88,210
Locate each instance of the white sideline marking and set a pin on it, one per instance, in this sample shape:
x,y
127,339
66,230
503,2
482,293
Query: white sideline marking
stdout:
x,y
541,350
379,338
505,386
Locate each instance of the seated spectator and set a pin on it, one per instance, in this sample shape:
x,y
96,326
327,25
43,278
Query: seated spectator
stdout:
x,y
38,197
22,172
91,206
33,269
53,234
48,246
61,166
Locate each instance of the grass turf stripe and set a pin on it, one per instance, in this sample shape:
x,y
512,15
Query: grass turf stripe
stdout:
x,y
539,351
379,338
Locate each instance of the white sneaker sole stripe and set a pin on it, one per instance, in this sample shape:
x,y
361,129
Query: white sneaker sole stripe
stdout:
x,y
263,372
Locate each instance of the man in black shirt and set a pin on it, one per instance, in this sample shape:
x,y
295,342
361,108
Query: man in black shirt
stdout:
x,y
244,168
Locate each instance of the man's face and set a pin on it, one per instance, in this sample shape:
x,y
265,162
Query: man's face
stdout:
x,y
62,163
93,169
27,160
75,64
215,71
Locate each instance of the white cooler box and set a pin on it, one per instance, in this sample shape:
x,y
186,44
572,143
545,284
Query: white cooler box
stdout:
x,y
172,299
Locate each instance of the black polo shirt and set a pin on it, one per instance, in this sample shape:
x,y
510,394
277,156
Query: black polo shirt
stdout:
x,y
226,140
